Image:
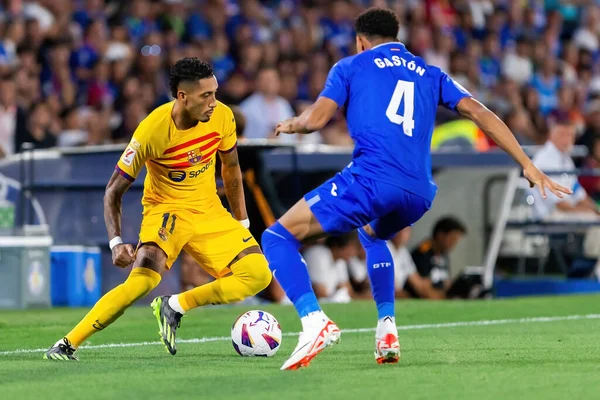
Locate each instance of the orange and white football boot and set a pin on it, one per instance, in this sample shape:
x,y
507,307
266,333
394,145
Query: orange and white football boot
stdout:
x,y
318,333
387,347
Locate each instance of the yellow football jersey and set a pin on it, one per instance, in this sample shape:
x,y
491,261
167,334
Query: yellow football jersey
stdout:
x,y
180,164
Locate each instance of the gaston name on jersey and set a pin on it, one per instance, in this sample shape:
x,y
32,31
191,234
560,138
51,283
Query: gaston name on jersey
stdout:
x,y
180,164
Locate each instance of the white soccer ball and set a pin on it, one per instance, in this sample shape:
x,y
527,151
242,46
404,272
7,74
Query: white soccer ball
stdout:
x,y
256,333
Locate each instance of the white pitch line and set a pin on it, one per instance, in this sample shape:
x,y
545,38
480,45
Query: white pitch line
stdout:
x,y
360,330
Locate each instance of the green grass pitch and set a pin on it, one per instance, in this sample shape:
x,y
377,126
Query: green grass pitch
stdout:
x,y
516,358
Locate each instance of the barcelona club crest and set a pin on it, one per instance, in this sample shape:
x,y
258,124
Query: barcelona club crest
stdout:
x,y
162,233
194,156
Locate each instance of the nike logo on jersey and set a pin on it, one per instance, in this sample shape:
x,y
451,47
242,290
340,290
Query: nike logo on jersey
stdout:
x,y
247,239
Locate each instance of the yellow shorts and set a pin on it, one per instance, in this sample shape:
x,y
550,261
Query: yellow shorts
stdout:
x,y
214,241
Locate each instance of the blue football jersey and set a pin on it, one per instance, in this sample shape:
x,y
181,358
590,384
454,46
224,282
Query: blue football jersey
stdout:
x,y
391,97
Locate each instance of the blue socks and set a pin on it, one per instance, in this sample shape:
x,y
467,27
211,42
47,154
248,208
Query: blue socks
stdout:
x,y
380,266
288,266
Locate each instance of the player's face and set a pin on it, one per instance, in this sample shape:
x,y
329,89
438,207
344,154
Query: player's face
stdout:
x,y
201,101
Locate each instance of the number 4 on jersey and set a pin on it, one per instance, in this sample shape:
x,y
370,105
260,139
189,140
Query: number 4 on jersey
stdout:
x,y
406,90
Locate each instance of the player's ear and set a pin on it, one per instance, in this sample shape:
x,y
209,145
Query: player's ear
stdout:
x,y
360,45
181,95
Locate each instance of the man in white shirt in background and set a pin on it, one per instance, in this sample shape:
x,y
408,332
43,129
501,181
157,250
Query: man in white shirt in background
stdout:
x,y
265,108
517,65
405,271
8,116
328,268
555,155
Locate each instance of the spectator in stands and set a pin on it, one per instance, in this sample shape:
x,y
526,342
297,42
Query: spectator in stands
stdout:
x,y
591,184
265,108
407,281
592,130
546,82
432,257
37,128
8,116
517,66
328,268
566,109
72,133
522,127
240,121
555,156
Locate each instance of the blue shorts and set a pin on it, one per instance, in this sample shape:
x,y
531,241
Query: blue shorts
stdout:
x,y
347,202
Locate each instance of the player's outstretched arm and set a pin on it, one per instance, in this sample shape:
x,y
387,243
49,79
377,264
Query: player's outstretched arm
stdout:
x,y
312,119
232,180
123,254
493,126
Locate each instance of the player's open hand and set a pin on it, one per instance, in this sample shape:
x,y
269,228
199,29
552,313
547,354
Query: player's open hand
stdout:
x,y
543,182
123,255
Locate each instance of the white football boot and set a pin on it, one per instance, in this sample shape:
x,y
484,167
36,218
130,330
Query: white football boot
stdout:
x,y
387,347
318,332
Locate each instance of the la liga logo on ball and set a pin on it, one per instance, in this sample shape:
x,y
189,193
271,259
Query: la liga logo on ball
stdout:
x,y
256,334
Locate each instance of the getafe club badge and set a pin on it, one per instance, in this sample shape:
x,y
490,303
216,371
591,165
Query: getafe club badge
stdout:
x,y
194,156
162,233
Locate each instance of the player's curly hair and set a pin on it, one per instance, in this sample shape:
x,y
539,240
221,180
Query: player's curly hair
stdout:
x,y
377,22
188,69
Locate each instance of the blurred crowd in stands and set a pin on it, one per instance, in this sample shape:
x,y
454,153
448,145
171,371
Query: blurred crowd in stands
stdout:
x,y
87,71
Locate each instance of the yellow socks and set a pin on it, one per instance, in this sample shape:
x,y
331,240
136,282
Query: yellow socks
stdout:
x,y
113,304
251,274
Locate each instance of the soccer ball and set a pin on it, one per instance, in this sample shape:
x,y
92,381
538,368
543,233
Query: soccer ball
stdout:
x,y
256,333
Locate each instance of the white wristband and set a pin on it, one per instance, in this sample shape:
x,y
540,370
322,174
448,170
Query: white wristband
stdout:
x,y
245,223
115,241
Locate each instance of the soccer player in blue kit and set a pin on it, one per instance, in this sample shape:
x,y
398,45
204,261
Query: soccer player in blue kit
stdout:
x,y
391,98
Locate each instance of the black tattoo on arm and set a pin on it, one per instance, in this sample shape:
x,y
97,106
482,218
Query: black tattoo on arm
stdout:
x,y
113,197
232,180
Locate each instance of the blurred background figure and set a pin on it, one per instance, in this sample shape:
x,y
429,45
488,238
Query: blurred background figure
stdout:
x,y
265,108
327,265
432,256
407,280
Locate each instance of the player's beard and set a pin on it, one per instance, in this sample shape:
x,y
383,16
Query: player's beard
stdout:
x,y
206,116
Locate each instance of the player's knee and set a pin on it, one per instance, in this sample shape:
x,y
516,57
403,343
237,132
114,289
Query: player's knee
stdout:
x,y
255,273
368,237
152,257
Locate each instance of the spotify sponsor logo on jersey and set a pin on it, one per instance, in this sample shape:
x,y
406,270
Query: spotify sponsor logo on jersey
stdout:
x,y
179,176
194,174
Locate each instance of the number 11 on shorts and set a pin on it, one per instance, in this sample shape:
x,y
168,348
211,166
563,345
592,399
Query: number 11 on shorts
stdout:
x,y
166,220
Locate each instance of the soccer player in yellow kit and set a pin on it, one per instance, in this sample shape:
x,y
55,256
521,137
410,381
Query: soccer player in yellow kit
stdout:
x,y
178,142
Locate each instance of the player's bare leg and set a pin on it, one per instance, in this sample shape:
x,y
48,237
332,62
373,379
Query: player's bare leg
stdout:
x,y
387,347
280,243
250,274
149,263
